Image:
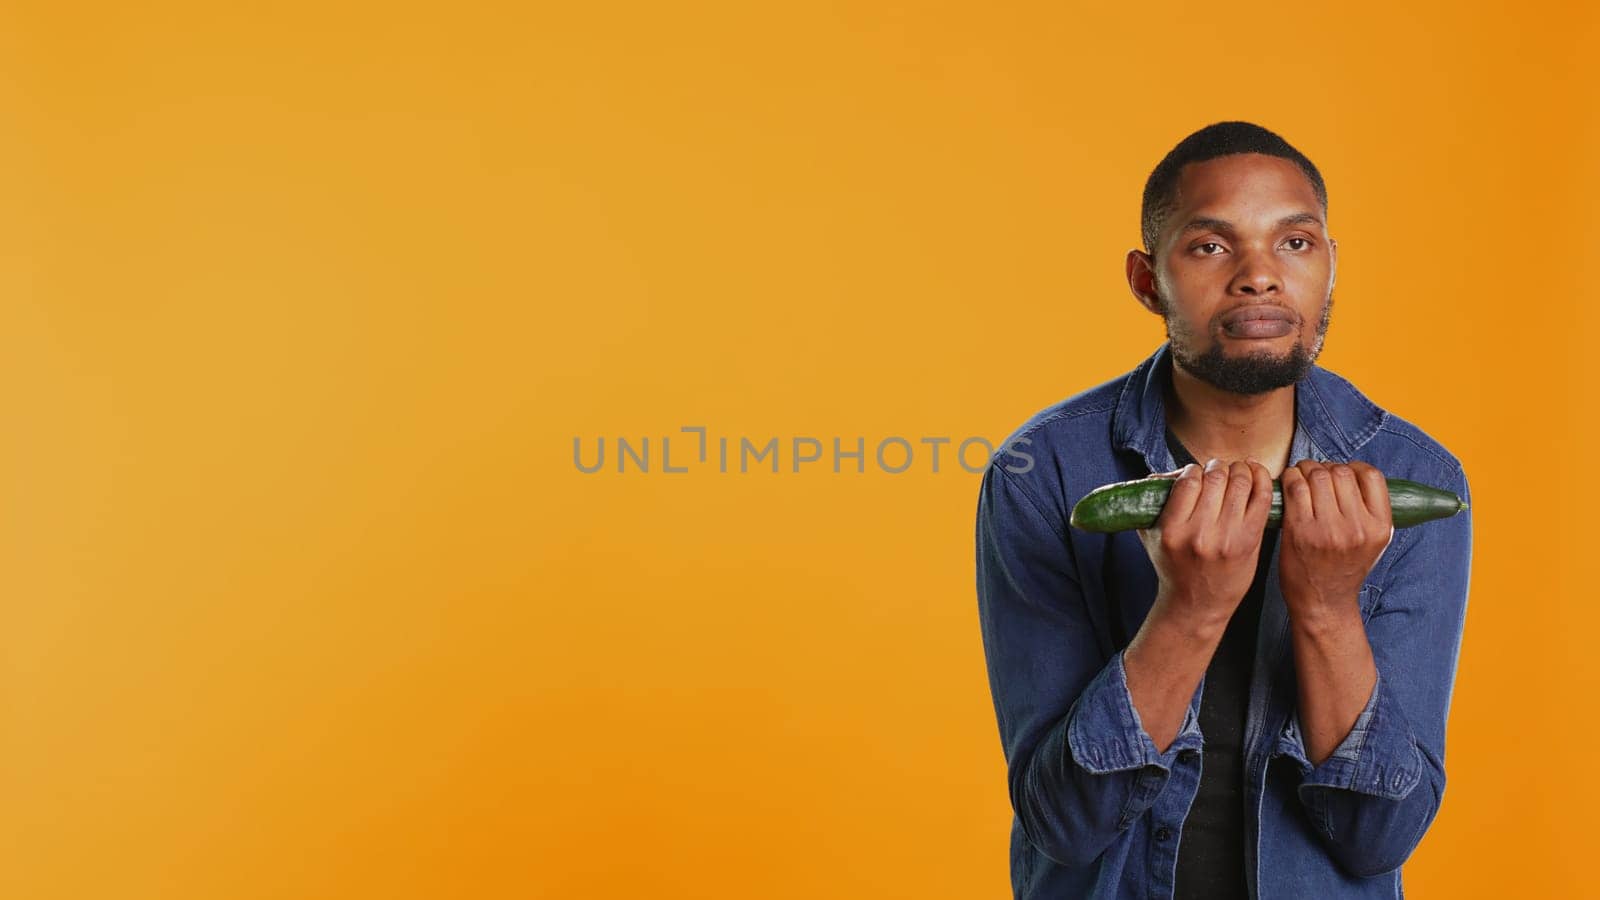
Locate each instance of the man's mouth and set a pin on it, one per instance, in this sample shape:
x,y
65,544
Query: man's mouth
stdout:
x,y
1258,320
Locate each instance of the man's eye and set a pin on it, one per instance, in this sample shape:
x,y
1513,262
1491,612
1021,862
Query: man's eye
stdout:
x,y
1304,244
1212,252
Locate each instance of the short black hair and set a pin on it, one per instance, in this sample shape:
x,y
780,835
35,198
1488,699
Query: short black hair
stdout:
x,y
1210,142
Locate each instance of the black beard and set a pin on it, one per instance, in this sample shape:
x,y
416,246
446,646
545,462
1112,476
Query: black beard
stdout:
x,y
1253,374
1247,374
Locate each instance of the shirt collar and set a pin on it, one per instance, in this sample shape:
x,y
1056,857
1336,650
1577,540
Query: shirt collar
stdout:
x,y
1332,419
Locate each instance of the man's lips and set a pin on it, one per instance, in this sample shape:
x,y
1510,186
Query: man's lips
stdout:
x,y
1258,320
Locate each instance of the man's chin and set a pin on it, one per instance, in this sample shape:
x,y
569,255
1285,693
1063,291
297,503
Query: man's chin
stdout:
x,y
1259,353
1247,371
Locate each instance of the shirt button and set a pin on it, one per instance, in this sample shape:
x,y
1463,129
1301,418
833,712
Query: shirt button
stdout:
x,y
1188,755
1163,833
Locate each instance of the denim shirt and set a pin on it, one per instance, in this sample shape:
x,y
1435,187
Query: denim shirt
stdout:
x,y
1098,810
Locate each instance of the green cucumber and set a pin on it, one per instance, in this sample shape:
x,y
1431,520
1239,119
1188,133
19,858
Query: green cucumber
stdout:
x,y
1133,504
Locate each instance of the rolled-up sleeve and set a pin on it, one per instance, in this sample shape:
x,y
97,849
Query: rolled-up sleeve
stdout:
x,y
1080,766
1374,797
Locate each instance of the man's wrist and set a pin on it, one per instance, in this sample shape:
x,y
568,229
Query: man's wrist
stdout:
x,y
1322,619
1196,622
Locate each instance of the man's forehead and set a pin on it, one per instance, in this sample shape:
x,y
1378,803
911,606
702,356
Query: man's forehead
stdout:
x,y
1268,184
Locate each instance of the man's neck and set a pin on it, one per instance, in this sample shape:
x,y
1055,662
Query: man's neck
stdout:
x,y
1211,422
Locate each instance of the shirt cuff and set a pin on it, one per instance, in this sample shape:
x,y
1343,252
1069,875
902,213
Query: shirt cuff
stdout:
x,y
1378,757
1106,735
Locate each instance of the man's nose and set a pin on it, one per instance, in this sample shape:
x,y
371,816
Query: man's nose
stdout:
x,y
1256,276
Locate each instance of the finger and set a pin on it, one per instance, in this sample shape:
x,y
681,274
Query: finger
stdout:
x,y
1237,495
1347,491
1374,491
1323,503
1214,485
1260,505
1296,497
1181,499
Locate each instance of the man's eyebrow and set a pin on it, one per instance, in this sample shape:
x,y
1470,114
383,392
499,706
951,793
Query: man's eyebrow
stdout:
x,y
1204,224
1223,226
1299,219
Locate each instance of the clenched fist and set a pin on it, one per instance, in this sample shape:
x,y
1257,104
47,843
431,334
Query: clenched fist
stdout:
x,y
1336,524
1207,541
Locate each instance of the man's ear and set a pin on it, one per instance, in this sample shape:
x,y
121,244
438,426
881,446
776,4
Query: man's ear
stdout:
x,y
1141,271
1333,269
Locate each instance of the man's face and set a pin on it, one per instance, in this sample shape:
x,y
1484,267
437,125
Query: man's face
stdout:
x,y
1244,273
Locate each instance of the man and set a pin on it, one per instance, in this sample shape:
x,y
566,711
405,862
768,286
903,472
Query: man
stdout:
x,y
1210,708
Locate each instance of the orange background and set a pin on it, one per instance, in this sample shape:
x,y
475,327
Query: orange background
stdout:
x,y
303,595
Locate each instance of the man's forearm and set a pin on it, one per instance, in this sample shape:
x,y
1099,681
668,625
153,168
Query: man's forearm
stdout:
x,y
1336,673
1165,662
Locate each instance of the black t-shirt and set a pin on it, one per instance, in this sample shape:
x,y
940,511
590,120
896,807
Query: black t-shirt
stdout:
x,y
1211,850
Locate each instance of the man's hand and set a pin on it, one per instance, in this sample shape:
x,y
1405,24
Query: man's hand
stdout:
x,y
1207,541
1205,547
1336,524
